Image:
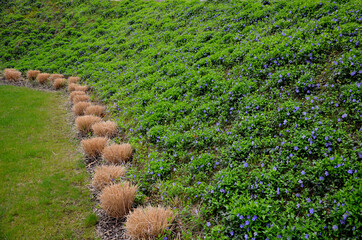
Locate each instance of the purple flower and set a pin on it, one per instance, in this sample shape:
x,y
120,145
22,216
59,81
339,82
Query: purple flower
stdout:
x,y
350,171
306,236
254,218
308,200
245,164
208,224
303,172
311,211
241,226
344,115
353,73
335,227
246,223
296,148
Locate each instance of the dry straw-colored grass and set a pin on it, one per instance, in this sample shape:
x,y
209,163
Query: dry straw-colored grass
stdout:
x,y
96,110
149,222
117,199
106,175
80,98
81,88
72,86
54,76
12,74
78,109
73,79
59,83
84,123
93,147
32,74
105,129
74,93
117,153
42,77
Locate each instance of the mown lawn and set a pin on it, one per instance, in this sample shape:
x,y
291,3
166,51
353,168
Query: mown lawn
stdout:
x,y
43,193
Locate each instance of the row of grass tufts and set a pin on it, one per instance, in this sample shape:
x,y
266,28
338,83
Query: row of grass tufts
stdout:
x,y
117,195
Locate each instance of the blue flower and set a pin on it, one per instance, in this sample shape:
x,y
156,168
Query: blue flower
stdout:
x,y
335,227
306,236
350,171
311,211
353,73
254,218
344,115
247,223
208,224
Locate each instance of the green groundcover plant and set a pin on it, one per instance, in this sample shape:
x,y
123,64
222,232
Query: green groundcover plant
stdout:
x,y
247,112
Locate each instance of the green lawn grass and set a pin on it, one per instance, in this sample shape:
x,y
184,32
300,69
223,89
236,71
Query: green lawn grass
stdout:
x,y
43,193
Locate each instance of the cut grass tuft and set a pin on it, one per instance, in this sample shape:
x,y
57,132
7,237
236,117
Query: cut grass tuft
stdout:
x,y
93,147
12,74
96,110
84,123
149,222
117,199
42,78
78,109
32,74
106,175
59,83
105,129
73,80
80,98
118,153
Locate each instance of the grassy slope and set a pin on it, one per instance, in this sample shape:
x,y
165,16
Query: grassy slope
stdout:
x,y
43,191
236,108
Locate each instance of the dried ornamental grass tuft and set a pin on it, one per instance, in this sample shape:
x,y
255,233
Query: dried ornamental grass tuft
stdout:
x,y
54,76
42,77
117,199
84,123
74,93
105,129
12,74
117,153
106,175
81,88
32,74
73,79
78,109
80,98
72,86
149,222
93,147
95,110
59,83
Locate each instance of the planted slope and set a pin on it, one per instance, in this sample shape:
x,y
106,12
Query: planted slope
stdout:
x,y
43,191
251,109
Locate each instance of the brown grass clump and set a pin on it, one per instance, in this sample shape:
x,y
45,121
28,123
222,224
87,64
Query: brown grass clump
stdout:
x,y
12,74
78,109
149,222
32,74
59,83
117,153
81,88
105,129
73,79
42,77
84,123
80,98
52,77
74,93
95,110
117,199
93,147
106,175
72,86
